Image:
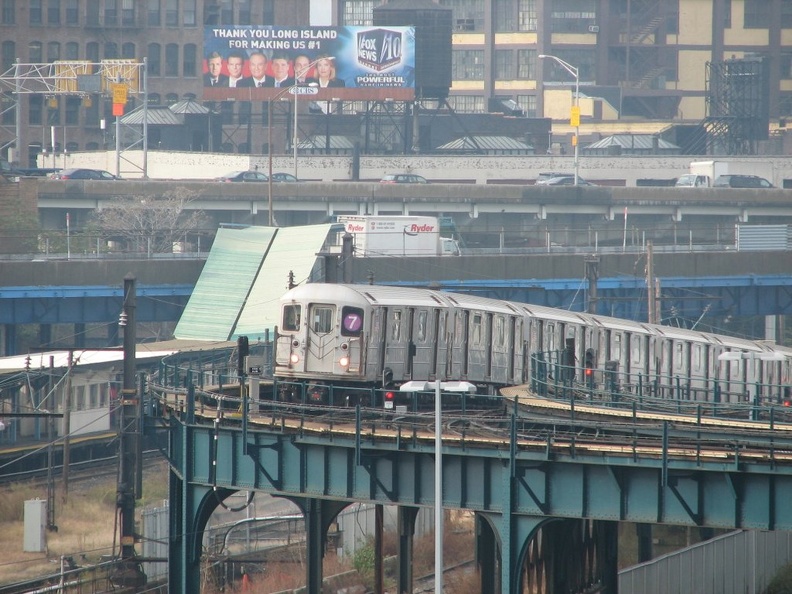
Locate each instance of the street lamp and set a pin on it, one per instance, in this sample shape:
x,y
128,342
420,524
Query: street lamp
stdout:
x,y
574,118
295,89
439,387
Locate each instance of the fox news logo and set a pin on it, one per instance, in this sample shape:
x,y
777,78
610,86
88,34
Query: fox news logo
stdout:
x,y
379,49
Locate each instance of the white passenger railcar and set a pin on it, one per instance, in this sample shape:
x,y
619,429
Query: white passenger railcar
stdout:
x,y
381,337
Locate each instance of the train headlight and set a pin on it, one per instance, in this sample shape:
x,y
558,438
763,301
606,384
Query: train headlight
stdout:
x,y
344,361
294,359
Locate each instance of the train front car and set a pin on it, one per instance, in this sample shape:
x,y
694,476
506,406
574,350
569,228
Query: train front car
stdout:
x,y
321,343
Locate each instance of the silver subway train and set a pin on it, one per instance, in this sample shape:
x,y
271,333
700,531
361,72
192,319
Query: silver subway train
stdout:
x,y
371,336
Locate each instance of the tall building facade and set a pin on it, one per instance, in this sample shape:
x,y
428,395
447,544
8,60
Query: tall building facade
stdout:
x,y
635,59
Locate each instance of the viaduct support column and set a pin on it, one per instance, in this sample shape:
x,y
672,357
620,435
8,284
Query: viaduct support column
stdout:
x,y
405,518
319,514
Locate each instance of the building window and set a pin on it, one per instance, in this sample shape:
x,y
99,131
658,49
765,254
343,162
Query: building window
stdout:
x,y
226,12
9,12
526,64
171,98
267,12
35,52
189,12
92,115
53,51
128,50
188,61
503,65
111,13
467,15
467,65
92,13
503,16
528,104
171,13
72,12
786,15
35,109
171,60
244,13
154,13
111,50
526,15
357,13
153,60
34,12
71,50
128,12
73,111
573,16
9,54
757,14
154,98
92,52
467,103
53,12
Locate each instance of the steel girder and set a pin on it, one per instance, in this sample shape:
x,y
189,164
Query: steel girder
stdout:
x,y
517,489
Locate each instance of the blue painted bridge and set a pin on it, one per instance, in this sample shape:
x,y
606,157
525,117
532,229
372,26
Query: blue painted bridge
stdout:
x,y
547,498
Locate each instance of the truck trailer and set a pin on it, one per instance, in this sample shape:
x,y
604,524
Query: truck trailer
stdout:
x,y
381,235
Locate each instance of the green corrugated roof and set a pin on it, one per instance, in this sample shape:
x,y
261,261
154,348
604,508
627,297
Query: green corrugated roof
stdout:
x,y
221,290
293,250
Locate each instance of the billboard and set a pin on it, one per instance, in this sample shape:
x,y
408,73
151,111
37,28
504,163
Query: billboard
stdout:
x,y
350,63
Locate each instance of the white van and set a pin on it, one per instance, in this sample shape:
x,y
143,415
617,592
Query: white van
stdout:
x,y
691,180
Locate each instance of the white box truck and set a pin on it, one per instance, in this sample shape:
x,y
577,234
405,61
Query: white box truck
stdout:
x,y
707,172
382,235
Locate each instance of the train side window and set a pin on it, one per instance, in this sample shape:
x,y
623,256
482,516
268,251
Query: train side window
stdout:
x,y
422,316
322,319
616,353
500,331
291,318
351,321
476,325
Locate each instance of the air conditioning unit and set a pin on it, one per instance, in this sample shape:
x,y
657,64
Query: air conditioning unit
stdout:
x,y
593,28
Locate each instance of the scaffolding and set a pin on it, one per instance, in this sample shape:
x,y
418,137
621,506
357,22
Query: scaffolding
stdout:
x,y
116,79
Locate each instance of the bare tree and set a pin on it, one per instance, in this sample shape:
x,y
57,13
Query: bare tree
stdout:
x,y
148,223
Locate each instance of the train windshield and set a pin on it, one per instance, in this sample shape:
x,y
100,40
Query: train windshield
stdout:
x,y
291,318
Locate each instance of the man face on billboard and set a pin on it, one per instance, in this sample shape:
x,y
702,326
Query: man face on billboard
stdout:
x,y
258,65
215,66
301,65
280,68
235,66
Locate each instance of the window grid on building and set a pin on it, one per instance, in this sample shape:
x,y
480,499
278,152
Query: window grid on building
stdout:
x,y
357,13
467,103
526,15
53,12
8,15
35,12
72,12
467,64
153,59
467,15
504,65
154,13
526,64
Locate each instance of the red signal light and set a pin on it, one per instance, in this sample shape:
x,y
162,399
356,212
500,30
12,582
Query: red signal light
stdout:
x,y
389,395
787,403
589,371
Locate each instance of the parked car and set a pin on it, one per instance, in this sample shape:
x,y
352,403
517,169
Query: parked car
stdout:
x,y
243,176
403,178
81,173
564,180
545,175
691,180
741,181
284,177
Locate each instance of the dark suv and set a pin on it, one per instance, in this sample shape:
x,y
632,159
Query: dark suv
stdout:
x,y
741,181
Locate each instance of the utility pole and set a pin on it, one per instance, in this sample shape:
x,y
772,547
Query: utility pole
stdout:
x,y
592,274
67,404
128,573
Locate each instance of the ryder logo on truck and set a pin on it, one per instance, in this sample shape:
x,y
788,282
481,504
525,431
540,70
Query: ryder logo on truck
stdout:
x,y
355,227
415,229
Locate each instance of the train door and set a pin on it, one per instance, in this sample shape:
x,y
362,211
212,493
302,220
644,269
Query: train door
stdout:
x,y
376,344
397,332
501,365
478,348
681,361
321,338
422,345
459,349
440,352
637,358
698,370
